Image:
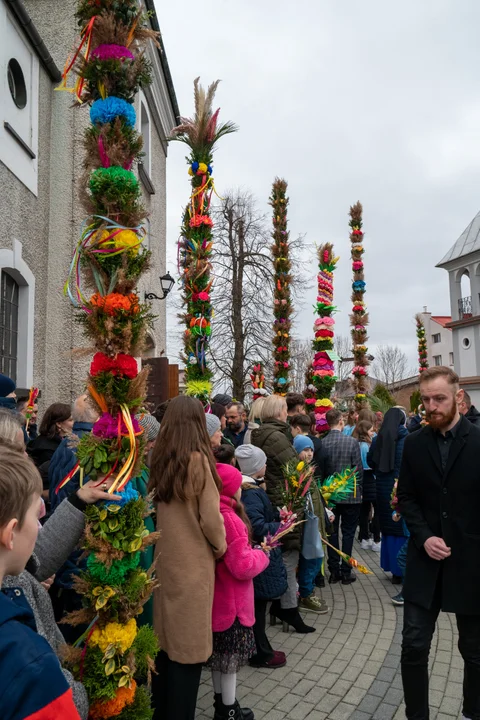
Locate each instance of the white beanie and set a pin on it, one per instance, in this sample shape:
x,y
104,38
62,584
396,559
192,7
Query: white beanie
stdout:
x,y
213,424
250,459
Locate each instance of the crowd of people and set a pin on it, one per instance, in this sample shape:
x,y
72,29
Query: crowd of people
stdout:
x,y
216,478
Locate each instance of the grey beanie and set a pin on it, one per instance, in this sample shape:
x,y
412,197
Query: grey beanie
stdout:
x,y
250,459
213,424
150,425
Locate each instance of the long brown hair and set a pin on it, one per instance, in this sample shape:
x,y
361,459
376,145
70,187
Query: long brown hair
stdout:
x,y
361,431
183,431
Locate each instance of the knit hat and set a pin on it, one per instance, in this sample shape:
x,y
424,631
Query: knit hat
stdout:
x,y
213,424
222,399
231,479
251,459
302,442
150,425
7,385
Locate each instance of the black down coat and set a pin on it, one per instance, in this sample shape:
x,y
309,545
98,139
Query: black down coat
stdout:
x,y
272,582
444,504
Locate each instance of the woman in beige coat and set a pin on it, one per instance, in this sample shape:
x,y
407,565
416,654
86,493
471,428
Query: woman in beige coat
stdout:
x,y
185,484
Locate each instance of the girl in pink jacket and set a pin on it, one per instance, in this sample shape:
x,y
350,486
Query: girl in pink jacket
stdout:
x,y
233,603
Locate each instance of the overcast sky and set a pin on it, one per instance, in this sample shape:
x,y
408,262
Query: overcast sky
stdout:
x,y
354,100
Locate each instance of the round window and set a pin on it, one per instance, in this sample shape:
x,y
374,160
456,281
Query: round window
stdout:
x,y
16,84
466,343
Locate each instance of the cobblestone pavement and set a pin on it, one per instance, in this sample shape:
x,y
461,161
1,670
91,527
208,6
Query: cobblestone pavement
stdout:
x,y
350,667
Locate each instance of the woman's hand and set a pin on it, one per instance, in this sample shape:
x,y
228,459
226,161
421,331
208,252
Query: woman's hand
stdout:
x,y
92,492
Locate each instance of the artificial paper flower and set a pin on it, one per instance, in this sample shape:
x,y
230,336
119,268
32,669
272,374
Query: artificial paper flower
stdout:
x,y
107,426
198,220
115,302
121,364
115,634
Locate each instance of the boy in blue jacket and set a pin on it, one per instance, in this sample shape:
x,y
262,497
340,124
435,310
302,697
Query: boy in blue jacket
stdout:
x,y
32,685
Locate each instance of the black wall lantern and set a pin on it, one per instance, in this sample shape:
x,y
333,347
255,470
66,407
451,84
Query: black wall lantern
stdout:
x,y
167,282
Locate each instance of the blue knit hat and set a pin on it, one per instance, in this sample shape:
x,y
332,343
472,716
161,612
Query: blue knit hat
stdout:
x,y
302,442
7,385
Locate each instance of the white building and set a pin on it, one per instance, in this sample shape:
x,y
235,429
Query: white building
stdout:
x,y
439,339
462,263
40,166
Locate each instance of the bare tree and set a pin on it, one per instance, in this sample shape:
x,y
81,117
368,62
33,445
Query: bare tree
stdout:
x,y
390,365
343,348
301,355
242,291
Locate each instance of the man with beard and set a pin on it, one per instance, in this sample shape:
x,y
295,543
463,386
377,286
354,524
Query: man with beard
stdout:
x,y
236,424
439,498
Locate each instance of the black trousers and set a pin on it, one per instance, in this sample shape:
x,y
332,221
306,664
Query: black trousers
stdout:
x,y
365,525
348,514
418,629
175,689
264,649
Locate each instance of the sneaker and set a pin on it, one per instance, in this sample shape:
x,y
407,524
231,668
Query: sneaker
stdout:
x,y
366,544
376,547
314,604
334,578
398,599
349,579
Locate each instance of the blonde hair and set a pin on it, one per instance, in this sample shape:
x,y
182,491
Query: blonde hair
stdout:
x,y
256,411
10,424
273,406
19,481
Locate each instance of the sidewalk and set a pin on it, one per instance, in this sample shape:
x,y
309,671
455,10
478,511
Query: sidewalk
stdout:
x,y
350,667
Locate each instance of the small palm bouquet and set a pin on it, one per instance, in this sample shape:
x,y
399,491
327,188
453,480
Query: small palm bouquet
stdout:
x,y
288,520
339,486
298,476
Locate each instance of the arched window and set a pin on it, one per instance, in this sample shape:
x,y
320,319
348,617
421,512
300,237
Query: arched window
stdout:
x,y
465,302
9,302
145,130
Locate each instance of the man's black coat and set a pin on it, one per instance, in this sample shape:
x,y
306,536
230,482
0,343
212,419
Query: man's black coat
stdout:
x,y
447,505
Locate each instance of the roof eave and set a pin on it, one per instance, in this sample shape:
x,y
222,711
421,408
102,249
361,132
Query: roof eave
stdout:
x,y
150,5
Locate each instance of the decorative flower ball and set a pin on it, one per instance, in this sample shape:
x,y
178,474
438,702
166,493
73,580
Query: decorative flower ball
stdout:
x,y
107,110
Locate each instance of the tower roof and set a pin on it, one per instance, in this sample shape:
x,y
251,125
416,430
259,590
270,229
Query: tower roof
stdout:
x,y
468,242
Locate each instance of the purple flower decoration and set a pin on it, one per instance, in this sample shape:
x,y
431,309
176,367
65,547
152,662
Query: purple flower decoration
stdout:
x,y
107,426
112,52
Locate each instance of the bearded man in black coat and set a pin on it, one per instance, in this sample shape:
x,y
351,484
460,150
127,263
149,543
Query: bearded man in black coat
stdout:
x,y
439,498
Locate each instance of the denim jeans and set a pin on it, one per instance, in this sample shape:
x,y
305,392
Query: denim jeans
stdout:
x,y
307,572
418,629
348,514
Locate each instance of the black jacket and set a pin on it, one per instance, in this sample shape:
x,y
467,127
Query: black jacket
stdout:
x,y
272,438
42,448
444,504
385,483
473,415
272,582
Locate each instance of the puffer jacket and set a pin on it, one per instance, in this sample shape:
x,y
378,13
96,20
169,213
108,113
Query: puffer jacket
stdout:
x,y
272,582
273,438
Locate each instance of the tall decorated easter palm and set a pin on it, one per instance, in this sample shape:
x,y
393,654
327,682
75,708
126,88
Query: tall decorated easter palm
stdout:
x,y
201,135
114,656
282,307
359,315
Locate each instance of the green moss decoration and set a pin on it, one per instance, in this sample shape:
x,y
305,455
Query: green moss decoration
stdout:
x,y
140,709
146,647
117,572
97,684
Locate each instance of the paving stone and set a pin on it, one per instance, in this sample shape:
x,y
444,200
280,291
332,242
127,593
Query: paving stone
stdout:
x,y
369,703
385,712
342,712
303,687
316,715
300,711
341,687
359,715
355,695
386,674
393,697
274,715
454,690
365,681
287,702
327,703
329,679
379,688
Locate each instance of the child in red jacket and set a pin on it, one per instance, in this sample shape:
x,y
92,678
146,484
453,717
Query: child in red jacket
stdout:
x,y
233,601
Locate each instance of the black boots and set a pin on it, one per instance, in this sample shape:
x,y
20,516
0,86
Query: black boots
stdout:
x,y
230,712
291,616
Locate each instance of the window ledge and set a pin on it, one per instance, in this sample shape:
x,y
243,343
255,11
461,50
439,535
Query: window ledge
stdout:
x,y
19,140
145,178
